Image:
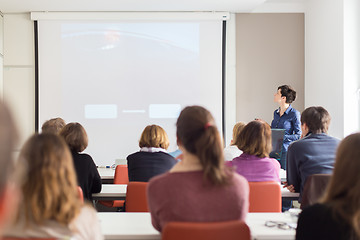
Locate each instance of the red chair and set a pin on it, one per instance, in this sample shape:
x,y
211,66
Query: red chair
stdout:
x,y
136,198
81,194
120,177
265,197
229,230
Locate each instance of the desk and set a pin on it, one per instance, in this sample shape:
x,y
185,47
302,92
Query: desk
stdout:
x,y
111,192
138,226
286,194
106,173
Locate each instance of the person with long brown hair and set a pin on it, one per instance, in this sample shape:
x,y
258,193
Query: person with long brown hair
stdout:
x,y
337,216
199,188
51,206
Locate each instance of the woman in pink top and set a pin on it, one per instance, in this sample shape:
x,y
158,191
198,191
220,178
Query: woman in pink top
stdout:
x,y
254,164
199,188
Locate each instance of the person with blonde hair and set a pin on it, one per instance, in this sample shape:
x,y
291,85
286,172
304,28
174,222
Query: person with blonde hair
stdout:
x,y
53,125
199,188
51,206
153,158
337,216
9,190
232,151
254,164
87,174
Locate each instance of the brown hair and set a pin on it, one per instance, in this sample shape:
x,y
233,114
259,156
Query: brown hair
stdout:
x,y
154,136
288,92
238,127
53,125
343,194
8,139
255,139
75,136
198,134
317,119
50,190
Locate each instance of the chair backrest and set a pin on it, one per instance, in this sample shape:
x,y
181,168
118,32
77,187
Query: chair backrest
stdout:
x,y
15,238
136,198
121,175
314,188
81,194
229,230
265,197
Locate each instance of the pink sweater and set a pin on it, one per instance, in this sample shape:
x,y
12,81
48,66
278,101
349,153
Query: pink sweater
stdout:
x,y
185,196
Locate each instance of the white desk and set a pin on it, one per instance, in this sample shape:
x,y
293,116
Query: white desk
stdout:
x,y
106,173
111,192
138,226
286,194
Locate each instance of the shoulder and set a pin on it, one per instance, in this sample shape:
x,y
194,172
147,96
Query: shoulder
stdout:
x,y
240,181
86,225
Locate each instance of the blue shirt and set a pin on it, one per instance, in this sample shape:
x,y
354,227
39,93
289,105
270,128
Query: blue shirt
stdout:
x,y
290,121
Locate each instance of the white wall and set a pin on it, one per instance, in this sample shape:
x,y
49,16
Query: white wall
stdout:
x,y
324,58
1,55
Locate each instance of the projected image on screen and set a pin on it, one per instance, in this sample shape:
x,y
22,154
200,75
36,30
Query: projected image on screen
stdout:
x,y
116,78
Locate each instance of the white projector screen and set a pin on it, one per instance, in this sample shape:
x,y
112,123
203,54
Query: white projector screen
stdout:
x,y
116,77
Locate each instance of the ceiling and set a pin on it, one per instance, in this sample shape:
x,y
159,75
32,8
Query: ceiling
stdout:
x,y
20,6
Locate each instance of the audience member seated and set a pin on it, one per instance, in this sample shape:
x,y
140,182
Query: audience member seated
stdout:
x,y
87,174
152,159
232,151
199,188
338,215
314,153
254,164
53,125
9,190
51,206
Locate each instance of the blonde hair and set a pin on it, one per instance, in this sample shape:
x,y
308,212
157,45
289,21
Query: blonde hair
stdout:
x,y
50,187
154,136
238,127
255,139
342,194
75,136
53,125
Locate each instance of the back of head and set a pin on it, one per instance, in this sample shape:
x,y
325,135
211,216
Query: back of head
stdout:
x,y
238,127
154,136
255,139
288,92
343,190
8,138
317,119
50,187
197,133
75,136
53,125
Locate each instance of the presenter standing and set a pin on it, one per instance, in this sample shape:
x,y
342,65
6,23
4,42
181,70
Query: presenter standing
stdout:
x,y
286,117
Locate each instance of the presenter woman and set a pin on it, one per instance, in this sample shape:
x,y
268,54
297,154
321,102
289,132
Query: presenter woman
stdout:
x,y
286,117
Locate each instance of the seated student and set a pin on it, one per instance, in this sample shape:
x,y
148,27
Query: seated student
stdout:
x,y
232,151
199,188
254,164
9,190
53,125
314,153
51,206
337,216
152,159
87,174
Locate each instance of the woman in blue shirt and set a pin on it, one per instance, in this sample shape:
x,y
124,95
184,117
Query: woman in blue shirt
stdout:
x,y
286,117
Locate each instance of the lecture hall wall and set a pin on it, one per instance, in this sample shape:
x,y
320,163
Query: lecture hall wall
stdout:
x,y
318,73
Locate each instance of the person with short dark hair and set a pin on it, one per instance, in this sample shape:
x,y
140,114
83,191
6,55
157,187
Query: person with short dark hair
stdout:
x,y
152,159
254,164
53,125
286,117
199,188
88,176
314,153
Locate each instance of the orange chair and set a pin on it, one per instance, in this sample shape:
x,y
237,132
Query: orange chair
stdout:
x,y
120,177
229,230
81,194
136,199
265,197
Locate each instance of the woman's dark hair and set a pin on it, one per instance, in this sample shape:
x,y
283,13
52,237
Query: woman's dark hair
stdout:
x,y
198,134
288,92
75,136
